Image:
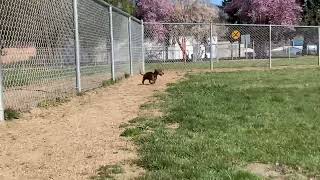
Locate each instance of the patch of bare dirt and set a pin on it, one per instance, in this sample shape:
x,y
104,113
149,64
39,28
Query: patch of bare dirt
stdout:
x,y
154,112
73,140
275,172
173,126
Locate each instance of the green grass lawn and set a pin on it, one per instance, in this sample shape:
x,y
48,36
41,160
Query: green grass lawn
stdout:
x,y
20,76
306,60
16,76
228,120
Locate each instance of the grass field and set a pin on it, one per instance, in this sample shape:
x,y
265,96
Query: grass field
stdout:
x,y
306,60
229,120
20,76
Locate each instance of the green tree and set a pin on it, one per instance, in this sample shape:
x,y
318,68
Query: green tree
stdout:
x,y
311,12
125,5
311,17
231,17
225,2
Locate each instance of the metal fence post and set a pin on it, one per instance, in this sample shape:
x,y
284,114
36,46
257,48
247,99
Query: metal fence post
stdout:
x,y
254,51
142,47
289,50
77,45
318,46
270,46
130,46
111,44
2,107
211,49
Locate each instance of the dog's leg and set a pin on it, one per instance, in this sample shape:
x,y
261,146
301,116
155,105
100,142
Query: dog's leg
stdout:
x,y
152,81
143,80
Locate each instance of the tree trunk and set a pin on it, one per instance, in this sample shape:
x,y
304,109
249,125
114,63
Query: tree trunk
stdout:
x,y
183,49
305,46
167,44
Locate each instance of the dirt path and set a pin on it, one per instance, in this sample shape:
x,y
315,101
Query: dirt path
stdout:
x,y
73,140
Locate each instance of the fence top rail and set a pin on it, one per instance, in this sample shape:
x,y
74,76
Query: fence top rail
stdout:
x,y
118,10
225,24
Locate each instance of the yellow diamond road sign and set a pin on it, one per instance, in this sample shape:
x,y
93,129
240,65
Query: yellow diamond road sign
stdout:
x,y
235,35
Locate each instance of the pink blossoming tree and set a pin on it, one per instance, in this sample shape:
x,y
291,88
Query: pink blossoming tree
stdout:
x,y
179,11
281,12
155,11
284,12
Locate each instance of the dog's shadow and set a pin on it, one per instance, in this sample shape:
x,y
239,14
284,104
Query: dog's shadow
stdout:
x,y
144,84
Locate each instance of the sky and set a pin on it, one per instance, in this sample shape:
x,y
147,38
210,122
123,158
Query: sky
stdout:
x,y
218,2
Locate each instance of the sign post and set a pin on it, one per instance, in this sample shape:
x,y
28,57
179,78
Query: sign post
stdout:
x,y
235,35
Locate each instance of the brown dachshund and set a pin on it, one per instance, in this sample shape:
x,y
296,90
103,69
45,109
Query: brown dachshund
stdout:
x,y
152,76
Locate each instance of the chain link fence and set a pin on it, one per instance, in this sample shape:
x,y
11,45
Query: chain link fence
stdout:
x,y
52,49
205,45
137,47
94,42
121,44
